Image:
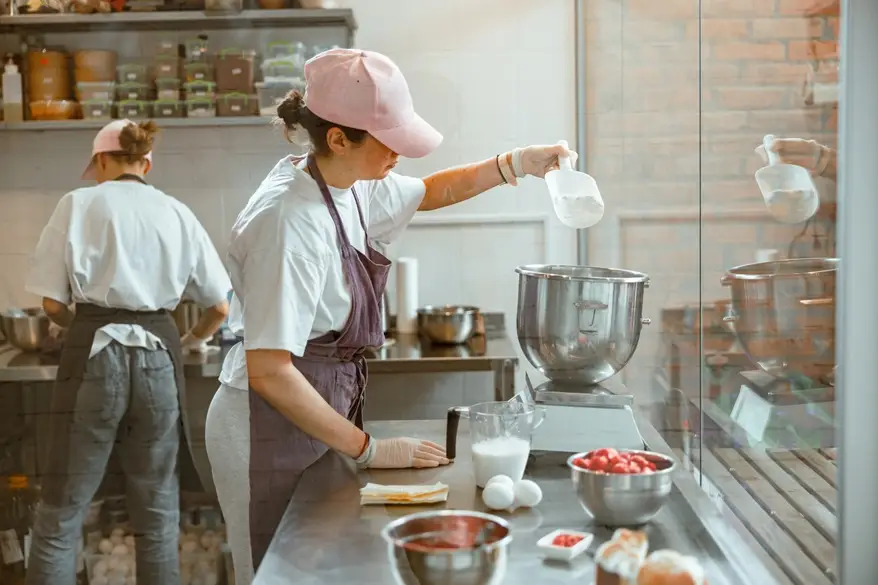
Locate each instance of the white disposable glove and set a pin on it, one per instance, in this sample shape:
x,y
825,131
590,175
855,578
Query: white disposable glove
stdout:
x,y
193,344
401,453
539,160
808,154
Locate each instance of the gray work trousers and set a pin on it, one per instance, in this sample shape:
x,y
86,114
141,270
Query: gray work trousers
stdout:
x,y
127,399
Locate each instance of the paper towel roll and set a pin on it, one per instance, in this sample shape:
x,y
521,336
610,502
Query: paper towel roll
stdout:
x,y
407,295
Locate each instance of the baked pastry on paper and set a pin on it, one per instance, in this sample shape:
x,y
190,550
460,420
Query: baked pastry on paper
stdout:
x,y
618,560
373,493
668,567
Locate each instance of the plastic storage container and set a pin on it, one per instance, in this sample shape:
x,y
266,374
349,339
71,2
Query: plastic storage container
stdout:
x,y
95,91
282,68
168,109
271,93
132,92
201,108
200,89
132,73
224,5
237,104
234,70
167,89
196,50
168,48
97,109
198,72
53,110
281,49
134,109
166,67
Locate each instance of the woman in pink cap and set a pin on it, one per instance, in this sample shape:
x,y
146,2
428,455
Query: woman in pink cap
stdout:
x,y
307,284
123,254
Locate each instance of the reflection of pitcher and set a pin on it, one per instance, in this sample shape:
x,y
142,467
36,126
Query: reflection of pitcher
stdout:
x,y
500,433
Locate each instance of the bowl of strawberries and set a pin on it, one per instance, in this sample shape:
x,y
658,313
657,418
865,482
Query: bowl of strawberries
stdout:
x,y
621,487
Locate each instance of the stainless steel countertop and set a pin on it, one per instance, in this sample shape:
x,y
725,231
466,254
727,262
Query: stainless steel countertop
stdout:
x,y
404,354
327,537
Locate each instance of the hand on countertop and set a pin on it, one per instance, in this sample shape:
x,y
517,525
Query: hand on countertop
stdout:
x,y
402,453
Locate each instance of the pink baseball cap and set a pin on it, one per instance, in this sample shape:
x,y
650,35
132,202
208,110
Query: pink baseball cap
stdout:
x,y
366,91
107,140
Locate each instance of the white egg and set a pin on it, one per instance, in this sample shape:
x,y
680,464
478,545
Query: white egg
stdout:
x,y
116,539
117,532
528,494
504,479
113,562
105,546
129,541
120,550
207,539
100,568
189,546
99,580
498,496
120,571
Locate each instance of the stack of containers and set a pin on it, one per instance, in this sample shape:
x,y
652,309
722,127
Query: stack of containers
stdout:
x,y
48,85
198,75
234,83
168,103
95,76
283,70
132,91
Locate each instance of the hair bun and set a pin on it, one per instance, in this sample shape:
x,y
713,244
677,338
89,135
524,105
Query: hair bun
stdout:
x,y
136,139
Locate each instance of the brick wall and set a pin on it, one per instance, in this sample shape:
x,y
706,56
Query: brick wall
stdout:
x,y
673,120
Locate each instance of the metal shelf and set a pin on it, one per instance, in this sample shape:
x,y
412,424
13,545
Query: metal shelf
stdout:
x,y
35,126
183,19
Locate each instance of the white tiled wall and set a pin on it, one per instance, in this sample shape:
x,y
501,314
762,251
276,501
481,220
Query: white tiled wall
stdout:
x,y
491,75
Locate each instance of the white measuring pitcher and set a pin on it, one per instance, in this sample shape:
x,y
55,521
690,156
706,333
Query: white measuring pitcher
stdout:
x,y
500,434
788,190
575,196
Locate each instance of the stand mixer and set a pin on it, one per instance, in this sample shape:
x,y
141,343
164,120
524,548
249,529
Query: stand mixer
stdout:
x,y
579,326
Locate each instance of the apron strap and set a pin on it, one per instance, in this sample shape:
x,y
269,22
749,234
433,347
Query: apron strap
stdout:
x,y
333,210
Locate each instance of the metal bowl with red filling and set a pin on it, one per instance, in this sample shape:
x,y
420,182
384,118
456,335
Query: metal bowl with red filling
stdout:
x,y
622,487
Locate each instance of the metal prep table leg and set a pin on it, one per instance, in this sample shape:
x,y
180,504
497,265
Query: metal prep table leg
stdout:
x,y
504,379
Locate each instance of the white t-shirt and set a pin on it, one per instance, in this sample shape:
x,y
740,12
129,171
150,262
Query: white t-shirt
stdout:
x,y
126,245
284,258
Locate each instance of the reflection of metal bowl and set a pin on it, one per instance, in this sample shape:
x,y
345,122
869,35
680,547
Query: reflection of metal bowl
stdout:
x,y
783,313
579,323
27,329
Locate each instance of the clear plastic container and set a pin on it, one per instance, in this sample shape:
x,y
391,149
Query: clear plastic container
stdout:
x,y
237,104
168,109
95,91
168,48
132,92
167,89
224,5
234,70
198,72
280,49
272,93
317,49
97,110
200,89
166,67
282,68
201,108
196,50
132,73
134,109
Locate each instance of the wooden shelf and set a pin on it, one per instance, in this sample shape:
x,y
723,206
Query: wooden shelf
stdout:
x,y
217,122
182,19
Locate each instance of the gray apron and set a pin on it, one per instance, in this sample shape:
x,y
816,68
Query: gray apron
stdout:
x,y
335,365
77,347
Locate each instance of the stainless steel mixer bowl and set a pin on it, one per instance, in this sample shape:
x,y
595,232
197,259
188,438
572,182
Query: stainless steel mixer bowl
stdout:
x,y
783,314
623,500
579,324
26,330
447,547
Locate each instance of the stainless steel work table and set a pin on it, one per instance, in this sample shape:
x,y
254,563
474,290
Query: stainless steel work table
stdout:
x,y
405,354
327,537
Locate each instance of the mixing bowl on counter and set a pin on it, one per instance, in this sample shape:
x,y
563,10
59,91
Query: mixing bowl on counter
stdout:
x,y
25,329
623,499
449,324
579,324
448,546
783,314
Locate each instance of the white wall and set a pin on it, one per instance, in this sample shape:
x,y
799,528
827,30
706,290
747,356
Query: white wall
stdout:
x,y
490,75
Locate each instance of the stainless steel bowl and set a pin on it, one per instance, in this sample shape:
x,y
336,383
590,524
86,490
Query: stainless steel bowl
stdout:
x,y
579,323
783,313
26,331
448,547
623,500
450,324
